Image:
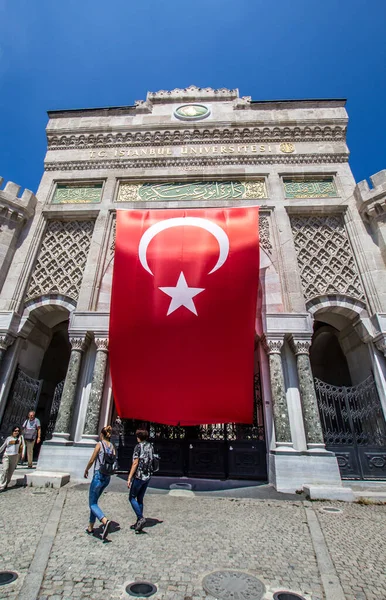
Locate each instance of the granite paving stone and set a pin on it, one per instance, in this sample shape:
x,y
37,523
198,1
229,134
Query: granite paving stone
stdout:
x,y
188,538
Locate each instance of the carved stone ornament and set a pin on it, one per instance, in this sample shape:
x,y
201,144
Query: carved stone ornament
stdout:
x,y
6,341
79,343
272,345
192,93
381,345
195,135
287,147
197,161
325,258
265,234
300,346
102,344
62,259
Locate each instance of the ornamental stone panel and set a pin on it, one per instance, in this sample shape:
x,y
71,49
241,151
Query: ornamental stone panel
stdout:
x,y
195,190
318,187
62,259
325,257
77,193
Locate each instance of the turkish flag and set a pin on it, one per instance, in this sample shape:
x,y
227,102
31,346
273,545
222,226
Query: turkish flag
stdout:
x,y
183,310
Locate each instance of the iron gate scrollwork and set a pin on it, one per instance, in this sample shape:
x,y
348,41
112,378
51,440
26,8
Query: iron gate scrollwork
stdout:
x,y
23,397
54,409
230,450
354,428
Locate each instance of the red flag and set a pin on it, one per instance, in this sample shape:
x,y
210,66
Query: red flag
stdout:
x,y
183,310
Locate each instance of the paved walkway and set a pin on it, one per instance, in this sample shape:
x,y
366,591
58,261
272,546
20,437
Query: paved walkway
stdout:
x,y
290,545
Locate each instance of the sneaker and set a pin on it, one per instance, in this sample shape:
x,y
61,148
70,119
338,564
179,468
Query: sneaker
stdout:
x,y
106,529
134,525
140,524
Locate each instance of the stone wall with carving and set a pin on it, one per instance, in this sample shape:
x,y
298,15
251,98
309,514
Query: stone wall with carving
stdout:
x,y
61,259
325,256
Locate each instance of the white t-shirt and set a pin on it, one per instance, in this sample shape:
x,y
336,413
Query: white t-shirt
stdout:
x,y
11,449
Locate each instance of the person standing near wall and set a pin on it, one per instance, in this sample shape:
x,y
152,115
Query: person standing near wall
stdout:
x,y
13,447
32,434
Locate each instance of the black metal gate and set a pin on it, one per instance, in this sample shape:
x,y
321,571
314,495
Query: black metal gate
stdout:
x,y
354,428
54,409
220,451
23,397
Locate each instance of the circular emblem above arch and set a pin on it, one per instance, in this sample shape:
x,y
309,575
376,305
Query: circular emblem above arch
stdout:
x,y
192,112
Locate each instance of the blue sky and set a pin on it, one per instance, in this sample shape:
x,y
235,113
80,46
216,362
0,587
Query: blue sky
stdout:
x,y
87,53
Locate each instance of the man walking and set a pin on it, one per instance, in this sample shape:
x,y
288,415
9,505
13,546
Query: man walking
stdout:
x,y
31,433
139,476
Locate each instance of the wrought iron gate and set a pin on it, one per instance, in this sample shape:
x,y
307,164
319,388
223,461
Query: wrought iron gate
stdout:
x,y
354,428
220,451
23,397
54,409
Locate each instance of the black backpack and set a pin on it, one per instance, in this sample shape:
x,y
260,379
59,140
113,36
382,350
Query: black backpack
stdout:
x,y
109,464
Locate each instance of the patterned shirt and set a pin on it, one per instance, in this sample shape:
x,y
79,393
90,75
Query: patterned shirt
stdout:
x,y
143,451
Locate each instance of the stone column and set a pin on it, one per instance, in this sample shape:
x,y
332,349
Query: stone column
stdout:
x,y
279,400
311,418
66,409
90,431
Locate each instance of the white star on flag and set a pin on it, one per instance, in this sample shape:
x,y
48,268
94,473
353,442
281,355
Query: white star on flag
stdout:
x,y
181,295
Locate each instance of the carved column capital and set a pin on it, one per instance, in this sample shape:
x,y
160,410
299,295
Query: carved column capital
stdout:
x,y
381,344
300,345
102,344
6,340
271,344
79,343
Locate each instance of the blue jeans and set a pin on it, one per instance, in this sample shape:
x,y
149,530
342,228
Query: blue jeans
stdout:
x,y
98,484
137,492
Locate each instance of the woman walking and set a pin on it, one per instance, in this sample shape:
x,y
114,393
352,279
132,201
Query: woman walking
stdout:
x,y
13,447
104,459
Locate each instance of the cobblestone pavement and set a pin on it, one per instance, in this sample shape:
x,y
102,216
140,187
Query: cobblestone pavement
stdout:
x,y
356,540
189,537
22,513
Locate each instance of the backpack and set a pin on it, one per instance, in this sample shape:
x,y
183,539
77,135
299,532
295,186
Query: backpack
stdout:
x,y
109,464
149,462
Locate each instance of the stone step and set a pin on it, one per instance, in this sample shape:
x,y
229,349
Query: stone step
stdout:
x,y
325,492
53,479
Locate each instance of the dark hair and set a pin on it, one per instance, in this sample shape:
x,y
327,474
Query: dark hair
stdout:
x,y
106,432
142,434
16,427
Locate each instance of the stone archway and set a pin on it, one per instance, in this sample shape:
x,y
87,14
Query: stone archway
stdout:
x,y
349,405
42,358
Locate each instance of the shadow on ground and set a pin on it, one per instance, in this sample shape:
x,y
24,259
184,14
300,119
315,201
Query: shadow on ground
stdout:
x,y
229,488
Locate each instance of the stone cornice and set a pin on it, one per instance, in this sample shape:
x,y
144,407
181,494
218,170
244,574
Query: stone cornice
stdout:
x,y
191,93
175,137
202,161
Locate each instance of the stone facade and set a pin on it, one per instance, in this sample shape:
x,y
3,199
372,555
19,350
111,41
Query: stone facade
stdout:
x,y
322,260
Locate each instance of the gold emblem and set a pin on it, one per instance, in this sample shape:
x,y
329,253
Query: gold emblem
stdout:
x,y
287,147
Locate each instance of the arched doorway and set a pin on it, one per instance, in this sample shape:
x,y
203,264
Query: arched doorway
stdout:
x,y
41,364
351,415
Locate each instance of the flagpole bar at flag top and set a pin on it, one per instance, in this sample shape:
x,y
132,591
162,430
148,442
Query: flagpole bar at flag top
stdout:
x,y
183,313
